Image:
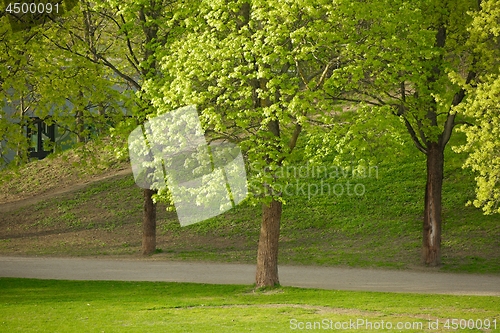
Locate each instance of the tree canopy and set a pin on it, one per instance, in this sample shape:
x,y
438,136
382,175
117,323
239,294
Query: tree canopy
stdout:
x,y
483,108
255,70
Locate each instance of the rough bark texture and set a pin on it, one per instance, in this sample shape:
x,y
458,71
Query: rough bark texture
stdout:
x,y
149,224
267,254
431,248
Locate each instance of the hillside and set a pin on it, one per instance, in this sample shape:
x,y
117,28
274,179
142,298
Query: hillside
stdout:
x,y
99,213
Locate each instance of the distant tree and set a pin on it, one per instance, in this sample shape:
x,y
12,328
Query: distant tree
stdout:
x,y
17,90
404,57
255,70
41,81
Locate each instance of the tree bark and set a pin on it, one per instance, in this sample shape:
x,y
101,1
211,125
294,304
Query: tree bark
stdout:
x,y
80,127
431,248
267,253
149,224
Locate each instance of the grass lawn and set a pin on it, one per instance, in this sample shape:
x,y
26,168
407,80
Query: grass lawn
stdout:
x,y
28,305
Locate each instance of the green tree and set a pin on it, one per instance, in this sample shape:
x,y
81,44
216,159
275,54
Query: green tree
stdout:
x,y
405,57
17,91
43,81
483,108
255,70
125,37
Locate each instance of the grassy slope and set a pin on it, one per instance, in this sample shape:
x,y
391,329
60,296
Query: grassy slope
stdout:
x,y
57,171
82,306
382,228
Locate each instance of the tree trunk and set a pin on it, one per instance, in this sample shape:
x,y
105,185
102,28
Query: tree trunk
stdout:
x,y
149,224
267,253
80,127
431,249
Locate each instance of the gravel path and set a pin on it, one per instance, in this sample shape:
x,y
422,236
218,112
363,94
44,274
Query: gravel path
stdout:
x,y
216,273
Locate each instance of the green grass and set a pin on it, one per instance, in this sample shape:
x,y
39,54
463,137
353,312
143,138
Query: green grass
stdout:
x,y
28,305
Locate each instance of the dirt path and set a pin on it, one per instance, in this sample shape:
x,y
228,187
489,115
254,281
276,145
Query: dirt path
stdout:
x,y
30,200
216,273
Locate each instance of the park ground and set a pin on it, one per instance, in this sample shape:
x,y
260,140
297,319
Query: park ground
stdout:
x,y
53,209
61,207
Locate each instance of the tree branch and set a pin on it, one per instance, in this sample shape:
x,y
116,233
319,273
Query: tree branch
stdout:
x,y
295,136
414,136
323,75
463,122
136,62
354,100
448,128
98,56
450,121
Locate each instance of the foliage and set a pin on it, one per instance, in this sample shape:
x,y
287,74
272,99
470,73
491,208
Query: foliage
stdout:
x,y
483,144
16,90
402,67
358,136
82,71
413,59
59,87
483,135
254,70
391,61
